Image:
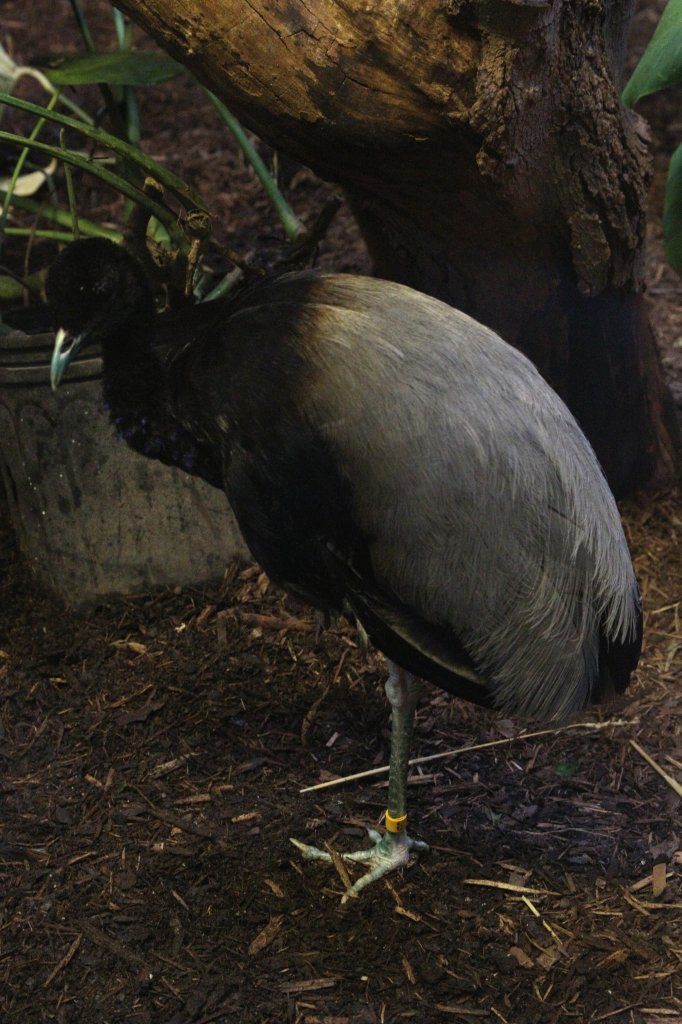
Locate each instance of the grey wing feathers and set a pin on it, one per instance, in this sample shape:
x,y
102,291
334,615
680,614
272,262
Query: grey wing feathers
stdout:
x,y
484,504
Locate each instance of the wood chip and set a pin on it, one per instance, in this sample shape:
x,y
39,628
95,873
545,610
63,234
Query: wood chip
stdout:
x,y
174,819
521,957
547,959
277,621
169,766
131,645
327,1020
531,906
312,714
461,1011
204,614
68,956
309,986
643,883
649,905
139,714
637,904
266,935
122,701
673,783
409,973
104,941
404,912
510,887
659,878
340,869
178,897
612,1013
221,632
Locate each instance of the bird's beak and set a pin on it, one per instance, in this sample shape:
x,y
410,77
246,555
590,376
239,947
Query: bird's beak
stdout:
x,y
65,348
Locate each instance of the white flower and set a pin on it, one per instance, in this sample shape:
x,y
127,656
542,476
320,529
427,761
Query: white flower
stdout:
x,y
10,73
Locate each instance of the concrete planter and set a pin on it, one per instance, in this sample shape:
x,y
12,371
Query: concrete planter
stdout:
x,y
93,518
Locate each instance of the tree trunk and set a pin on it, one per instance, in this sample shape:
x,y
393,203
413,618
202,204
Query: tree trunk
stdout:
x,y
488,160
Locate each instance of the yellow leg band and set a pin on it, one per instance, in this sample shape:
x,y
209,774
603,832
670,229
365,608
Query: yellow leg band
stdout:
x,y
396,824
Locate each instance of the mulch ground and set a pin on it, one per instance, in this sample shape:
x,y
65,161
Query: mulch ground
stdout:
x,y
154,750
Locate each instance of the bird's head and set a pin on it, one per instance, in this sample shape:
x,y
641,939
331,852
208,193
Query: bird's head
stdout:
x,y
95,289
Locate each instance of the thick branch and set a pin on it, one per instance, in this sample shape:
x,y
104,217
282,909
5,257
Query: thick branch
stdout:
x,y
488,160
503,106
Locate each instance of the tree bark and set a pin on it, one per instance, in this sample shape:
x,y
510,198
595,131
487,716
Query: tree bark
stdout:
x,y
488,160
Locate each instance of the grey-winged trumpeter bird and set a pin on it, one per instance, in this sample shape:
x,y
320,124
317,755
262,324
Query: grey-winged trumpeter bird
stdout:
x,y
388,457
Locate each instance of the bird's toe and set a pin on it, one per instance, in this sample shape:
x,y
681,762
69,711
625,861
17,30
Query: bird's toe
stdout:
x,y
389,852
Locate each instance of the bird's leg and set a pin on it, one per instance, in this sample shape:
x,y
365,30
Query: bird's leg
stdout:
x,y
392,850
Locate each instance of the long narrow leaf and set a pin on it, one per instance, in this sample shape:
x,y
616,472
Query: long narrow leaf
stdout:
x,y
661,63
672,212
119,68
70,190
55,215
37,128
176,185
115,181
13,289
59,236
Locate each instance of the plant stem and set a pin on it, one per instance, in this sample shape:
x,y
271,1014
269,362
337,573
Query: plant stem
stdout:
x,y
7,202
293,227
225,285
167,216
70,191
60,236
62,218
83,26
186,195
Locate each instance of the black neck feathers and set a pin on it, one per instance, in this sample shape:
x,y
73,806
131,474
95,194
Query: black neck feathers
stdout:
x,y
138,395
100,294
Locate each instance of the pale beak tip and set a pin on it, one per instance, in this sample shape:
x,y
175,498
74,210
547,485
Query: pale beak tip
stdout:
x,y
65,348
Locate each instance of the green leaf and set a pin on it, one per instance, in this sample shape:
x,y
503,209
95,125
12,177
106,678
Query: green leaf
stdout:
x,y
567,768
121,68
13,290
672,212
661,63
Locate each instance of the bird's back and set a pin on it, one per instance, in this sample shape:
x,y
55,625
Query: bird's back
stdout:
x,y
433,460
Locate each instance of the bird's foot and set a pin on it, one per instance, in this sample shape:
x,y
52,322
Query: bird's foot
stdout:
x,y
391,850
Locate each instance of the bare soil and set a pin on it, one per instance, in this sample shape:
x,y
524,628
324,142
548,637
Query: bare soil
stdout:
x,y
153,751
